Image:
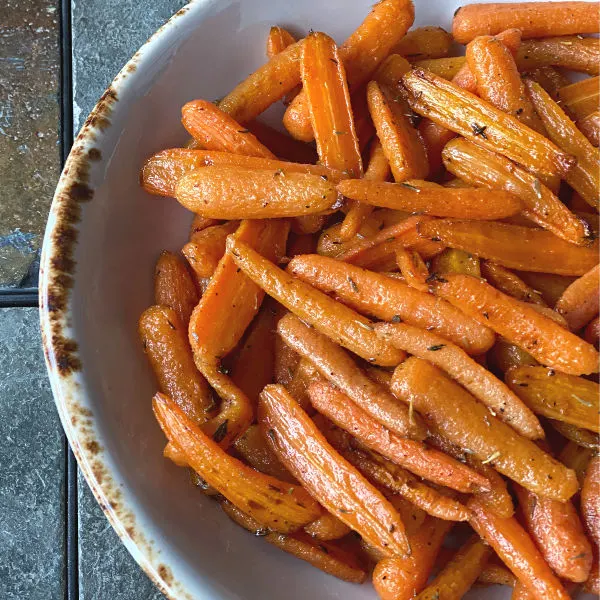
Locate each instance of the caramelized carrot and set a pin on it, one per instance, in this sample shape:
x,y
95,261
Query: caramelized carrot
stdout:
x,y
413,269
590,127
424,42
456,261
327,527
384,298
305,373
199,223
506,281
579,302
494,574
435,137
590,499
341,489
592,332
278,40
570,52
582,437
447,68
581,98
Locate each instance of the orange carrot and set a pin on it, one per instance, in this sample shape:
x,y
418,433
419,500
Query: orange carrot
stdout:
x,y
582,437
506,281
341,489
592,332
569,52
337,366
517,551
327,527
590,127
217,130
582,98
278,40
455,414
392,300
577,457
512,246
579,302
590,499
199,223
424,42
447,68
413,456
276,504
494,574
550,78
435,137
489,390
326,90
413,269
331,318
456,261
545,340
304,374
535,19
286,362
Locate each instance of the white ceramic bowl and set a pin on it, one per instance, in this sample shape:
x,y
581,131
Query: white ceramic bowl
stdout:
x,y
103,237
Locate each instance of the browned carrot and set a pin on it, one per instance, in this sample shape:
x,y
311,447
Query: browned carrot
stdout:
x,y
413,269
447,68
577,457
466,114
592,585
281,144
331,318
173,453
456,261
512,246
265,86
489,390
413,456
165,343
584,177
324,84
392,300
570,52
581,437
457,577
278,40
550,78
479,167
174,286
286,362
551,286
581,98
435,137
558,533
506,281
199,223
592,332
535,19
361,54
327,527
455,414
305,373
341,489
579,302
424,42
494,574
590,127
276,504
401,142
517,551
590,499
414,195
217,130
335,364
403,578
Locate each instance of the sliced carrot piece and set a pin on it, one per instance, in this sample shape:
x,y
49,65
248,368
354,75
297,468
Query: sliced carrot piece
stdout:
x,y
506,281
579,302
452,260
590,499
348,328
496,575
424,42
447,68
305,373
590,127
592,332
581,437
576,457
489,390
327,527
455,414
199,223
413,269
575,53
550,78
341,489
278,40
580,98
385,298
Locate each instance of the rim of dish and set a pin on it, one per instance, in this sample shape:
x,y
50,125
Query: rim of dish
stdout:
x,y
57,276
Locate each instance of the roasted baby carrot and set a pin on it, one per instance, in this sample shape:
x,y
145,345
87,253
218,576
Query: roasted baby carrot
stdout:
x,y
278,40
480,167
279,505
331,318
494,574
584,177
217,130
336,365
489,390
518,552
327,527
236,193
414,195
401,142
414,456
456,261
581,437
446,68
457,577
286,362
455,414
590,499
574,400
174,286
569,52
579,302
592,332
412,268
165,343
550,78
341,489
265,86
590,127
511,284
513,246
199,224
535,19
462,112
424,42
577,457
304,374
389,299
558,533
361,54
324,84
580,98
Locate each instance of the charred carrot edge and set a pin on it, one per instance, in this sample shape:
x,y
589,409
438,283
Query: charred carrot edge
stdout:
x,y
558,533
581,98
509,283
279,505
336,365
534,19
217,130
575,53
424,42
341,489
413,456
324,84
453,412
278,40
462,112
579,302
518,552
361,54
331,318
207,249
590,499
174,286
471,375
391,300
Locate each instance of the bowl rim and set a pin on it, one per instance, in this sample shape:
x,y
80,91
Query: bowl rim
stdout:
x,y
57,277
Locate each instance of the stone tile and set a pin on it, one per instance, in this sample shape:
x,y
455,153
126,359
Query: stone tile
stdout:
x,y
32,459
29,125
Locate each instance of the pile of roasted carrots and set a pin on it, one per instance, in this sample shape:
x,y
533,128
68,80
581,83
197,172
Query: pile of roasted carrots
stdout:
x,y
386,325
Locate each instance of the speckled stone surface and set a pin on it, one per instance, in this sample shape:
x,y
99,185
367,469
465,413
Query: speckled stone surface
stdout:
x,y
29,117
32,454
106,33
